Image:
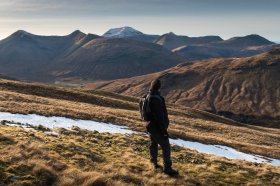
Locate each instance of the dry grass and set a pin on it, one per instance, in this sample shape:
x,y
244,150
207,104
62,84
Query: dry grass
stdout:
x,y
89,158
186,123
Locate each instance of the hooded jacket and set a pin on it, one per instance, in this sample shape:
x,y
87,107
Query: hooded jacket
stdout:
x,y
159,122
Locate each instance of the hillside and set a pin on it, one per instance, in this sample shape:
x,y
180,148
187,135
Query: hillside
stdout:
x,y
186,123
6,77
82,56
129,33
124,52
193,53
172,41
234,47
229,86
80,157
249,40
103,59
24,55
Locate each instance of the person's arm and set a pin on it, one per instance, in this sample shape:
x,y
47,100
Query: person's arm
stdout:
x,y
165,114
157,109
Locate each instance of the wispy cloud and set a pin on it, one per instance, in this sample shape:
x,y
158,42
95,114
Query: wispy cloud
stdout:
x,y
134,7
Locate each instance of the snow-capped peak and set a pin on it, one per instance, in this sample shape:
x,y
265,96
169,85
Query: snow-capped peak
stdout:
x,y
122,32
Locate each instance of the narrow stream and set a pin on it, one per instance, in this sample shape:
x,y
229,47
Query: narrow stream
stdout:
x,y
62,122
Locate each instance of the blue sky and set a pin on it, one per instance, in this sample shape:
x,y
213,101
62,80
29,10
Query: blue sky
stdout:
x,y
226,18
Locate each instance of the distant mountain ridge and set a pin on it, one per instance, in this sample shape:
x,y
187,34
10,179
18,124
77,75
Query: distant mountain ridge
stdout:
x,y
129,33
249,40
234,47
6,77
123,52
172,41
80,56
229,86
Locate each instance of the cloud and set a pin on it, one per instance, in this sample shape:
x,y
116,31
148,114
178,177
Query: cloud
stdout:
x,y
189,15
72,8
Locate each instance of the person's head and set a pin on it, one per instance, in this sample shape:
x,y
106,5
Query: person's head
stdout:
x,y
155,85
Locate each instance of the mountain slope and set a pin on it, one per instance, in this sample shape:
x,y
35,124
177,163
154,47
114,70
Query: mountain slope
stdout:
x,y
249,40
24,55
129,33
172,41
186,123
48,58
104,58
6,77
238,86
234,47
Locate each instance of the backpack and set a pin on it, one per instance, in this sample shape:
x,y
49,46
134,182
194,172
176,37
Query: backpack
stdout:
x,y
144,107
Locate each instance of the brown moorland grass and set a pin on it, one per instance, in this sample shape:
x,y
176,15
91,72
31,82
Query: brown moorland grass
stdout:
x,y
186,123
80,157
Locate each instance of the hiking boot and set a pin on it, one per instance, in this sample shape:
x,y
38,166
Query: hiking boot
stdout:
x,y
171,172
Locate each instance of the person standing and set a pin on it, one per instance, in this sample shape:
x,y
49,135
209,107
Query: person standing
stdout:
x,y
157,128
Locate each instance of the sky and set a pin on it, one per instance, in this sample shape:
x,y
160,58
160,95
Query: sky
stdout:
x,y
226,18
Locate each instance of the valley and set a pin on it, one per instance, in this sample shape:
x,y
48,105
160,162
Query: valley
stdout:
x,y
69,108
119,53
245,89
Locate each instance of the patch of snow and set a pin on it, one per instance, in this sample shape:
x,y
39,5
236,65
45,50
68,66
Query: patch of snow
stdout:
x,y
62,122
122,32
224,151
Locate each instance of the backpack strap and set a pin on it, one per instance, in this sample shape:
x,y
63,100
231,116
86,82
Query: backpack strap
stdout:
x,y
154,96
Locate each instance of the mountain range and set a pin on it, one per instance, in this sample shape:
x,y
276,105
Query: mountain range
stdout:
x,y
234,87
214,47
172,41
196,48
48,58
120,53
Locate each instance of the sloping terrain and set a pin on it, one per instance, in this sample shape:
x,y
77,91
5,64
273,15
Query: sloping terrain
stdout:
x,y
246,86
186,123
195,52
129,33
103,58
234,47
172,41
6,77
249,40
79,56
24,55
79,157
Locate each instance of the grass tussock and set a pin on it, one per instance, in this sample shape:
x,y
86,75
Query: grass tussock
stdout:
x,y
82,157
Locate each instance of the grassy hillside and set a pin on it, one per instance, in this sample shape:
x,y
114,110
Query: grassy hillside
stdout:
x,y
242,88
79,157
186,123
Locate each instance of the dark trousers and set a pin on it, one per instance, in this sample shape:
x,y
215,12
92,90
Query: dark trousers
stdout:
x,y
163,141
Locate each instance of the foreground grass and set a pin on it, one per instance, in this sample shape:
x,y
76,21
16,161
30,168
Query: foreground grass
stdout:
x,y
80,157
186,123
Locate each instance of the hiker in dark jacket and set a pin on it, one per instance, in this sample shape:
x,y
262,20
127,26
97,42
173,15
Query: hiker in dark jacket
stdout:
x,y
157,129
